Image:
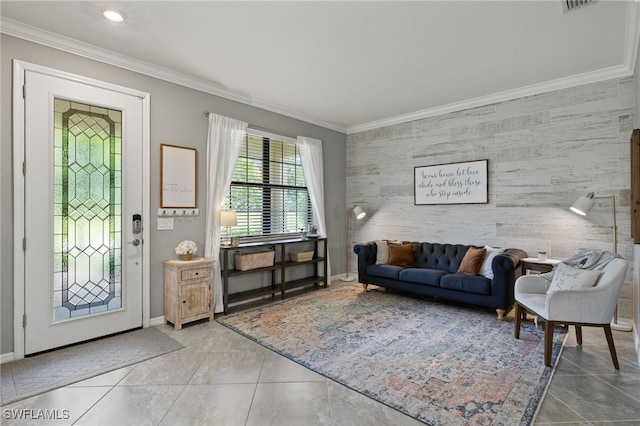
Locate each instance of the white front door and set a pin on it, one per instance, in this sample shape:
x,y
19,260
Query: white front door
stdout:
x,y
83,193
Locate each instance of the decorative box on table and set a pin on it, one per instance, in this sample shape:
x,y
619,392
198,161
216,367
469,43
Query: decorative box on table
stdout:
x,y
301,256
247,261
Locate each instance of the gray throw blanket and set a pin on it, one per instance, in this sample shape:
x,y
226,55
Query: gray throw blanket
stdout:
x,y
592,259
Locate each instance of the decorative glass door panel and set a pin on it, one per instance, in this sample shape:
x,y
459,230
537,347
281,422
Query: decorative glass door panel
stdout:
x,y
87,210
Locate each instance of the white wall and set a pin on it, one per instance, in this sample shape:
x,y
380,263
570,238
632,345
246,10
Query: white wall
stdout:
x,y
177,117
543,152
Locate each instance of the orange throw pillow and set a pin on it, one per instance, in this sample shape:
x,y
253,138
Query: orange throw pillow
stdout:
x,y
400,254
472,261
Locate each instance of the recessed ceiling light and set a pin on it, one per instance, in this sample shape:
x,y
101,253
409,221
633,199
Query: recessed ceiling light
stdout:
x,y
113,15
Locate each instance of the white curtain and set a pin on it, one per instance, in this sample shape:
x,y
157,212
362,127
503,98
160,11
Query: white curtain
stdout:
x,y
224,142
313,168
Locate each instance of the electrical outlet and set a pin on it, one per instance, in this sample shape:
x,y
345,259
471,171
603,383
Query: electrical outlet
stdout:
x,y
165,223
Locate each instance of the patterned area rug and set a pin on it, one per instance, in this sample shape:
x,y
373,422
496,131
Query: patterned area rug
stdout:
x,y
439,363
41,373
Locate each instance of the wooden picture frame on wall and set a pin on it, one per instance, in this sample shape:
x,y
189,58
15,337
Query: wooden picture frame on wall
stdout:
x,y
452,183
178,175
635,186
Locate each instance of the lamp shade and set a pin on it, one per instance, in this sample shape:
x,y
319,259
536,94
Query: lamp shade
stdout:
x,y
228,218
358,212
583,205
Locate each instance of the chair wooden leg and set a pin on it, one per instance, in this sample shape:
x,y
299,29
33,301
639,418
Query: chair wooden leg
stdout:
x,y
500,313
579,334
518,314
548,342
612,348
365,287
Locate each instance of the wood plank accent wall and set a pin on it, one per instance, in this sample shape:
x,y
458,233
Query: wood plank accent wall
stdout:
x,y
544,152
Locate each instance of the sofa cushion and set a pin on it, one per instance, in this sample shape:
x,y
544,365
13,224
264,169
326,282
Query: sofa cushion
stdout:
x,y
400,254
468,283
445,257
472,261
430,277
384,271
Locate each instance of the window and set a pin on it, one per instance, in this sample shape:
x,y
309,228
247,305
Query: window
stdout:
x,y
268,190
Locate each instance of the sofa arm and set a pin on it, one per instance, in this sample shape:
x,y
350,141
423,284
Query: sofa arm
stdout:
x,y
531,284
367,253
506,268
508,260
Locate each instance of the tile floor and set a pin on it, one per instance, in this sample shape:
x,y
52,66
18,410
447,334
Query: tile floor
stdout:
x,y
222,378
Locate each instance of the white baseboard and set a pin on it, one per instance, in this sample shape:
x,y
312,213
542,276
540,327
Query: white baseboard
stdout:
x,y
338,277
9,356
156,321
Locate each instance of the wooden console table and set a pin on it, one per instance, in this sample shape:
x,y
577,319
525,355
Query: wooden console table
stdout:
x,y
281,264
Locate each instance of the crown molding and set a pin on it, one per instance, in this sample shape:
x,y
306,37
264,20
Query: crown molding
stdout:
x,y
79,48
508,95
632,39
56,41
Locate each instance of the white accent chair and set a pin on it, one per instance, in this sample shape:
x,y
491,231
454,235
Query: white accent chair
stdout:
x,y
592,306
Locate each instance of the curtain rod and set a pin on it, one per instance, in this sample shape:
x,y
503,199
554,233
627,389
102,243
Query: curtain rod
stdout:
x,y
262,129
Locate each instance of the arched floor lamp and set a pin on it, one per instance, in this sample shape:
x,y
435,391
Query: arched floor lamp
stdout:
x,y
359,214
582,207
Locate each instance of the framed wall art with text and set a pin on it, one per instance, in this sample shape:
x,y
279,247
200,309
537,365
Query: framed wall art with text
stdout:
x,y
452,183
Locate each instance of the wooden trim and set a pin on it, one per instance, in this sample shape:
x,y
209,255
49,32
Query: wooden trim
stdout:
x,y
635,186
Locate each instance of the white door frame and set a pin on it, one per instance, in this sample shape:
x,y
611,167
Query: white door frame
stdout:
x,y
19,69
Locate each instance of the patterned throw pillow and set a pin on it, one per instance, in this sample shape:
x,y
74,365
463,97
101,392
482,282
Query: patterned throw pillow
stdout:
x,y
566,277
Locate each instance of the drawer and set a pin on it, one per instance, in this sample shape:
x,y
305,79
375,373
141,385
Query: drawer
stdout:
x,y
193,274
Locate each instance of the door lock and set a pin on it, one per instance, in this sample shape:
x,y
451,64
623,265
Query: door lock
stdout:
x,y
137,224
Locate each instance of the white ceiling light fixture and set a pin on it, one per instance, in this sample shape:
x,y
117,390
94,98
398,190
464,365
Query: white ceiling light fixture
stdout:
x,y
113,15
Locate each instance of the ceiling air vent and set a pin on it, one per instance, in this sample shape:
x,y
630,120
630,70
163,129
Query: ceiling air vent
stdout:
x,y
569,5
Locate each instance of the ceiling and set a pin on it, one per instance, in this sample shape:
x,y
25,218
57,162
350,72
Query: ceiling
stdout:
x,y
349,66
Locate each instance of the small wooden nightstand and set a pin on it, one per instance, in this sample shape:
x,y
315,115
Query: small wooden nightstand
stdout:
x,y
537,265
188,291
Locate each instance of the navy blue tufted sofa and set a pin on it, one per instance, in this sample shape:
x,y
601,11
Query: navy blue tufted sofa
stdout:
x,y
433,273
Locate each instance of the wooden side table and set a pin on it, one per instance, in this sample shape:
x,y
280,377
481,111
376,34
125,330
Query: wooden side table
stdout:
x,y
188,291
537,265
